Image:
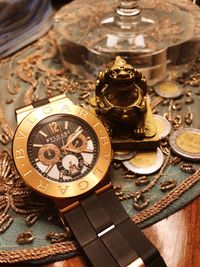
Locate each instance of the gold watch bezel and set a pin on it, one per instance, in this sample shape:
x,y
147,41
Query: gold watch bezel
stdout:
x,y
44,185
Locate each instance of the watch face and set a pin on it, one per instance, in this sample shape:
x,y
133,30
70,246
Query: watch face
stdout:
x,y
63,148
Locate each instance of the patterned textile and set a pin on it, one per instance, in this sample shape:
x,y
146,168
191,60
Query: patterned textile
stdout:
x,y
29,227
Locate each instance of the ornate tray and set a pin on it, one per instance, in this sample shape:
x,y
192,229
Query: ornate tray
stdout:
x,y
29,228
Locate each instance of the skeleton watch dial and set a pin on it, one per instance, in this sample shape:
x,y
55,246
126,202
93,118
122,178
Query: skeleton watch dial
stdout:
x,y
63,148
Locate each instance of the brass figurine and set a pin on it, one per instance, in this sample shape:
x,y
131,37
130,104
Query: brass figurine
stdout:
x,y
123,106
121,96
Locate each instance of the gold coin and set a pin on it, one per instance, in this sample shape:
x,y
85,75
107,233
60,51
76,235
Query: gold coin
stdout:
x,y
169,89
145,162
163,126
124,155
144,159
186,143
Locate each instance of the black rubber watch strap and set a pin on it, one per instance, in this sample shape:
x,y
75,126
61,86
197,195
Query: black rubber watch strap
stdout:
x,y
98,255
108,236
80,226
119,247
95,212
142,245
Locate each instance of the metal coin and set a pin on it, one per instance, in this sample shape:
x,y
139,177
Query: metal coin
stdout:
x,y
145,162
163,126
124,155
185,142
169,89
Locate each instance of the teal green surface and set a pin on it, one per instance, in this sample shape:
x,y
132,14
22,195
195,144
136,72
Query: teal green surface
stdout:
x,y
42,227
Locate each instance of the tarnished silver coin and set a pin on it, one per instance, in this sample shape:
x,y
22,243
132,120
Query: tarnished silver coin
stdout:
x,y
169,89
163,126
185,142
124,155
145,162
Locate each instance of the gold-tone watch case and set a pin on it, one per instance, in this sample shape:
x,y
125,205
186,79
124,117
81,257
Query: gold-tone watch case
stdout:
x,y
46,186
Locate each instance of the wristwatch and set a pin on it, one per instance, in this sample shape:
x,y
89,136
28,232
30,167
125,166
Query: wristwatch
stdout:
x,y
63,152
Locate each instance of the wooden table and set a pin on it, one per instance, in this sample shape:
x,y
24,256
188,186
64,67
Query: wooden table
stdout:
x,y
177,238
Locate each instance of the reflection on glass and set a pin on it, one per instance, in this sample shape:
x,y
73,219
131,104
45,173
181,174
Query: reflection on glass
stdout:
x,y
90,35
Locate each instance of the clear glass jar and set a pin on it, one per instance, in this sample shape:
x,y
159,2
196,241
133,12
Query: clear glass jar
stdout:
x,y
146,33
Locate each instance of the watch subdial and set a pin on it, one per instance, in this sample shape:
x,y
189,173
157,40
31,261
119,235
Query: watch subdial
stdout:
x,y
49,154
79,144
71,165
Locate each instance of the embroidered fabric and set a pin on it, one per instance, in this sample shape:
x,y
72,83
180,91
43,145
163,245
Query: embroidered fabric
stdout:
x,y
29,227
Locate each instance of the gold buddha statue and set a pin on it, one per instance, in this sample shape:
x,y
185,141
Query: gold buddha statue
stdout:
x,y
122,104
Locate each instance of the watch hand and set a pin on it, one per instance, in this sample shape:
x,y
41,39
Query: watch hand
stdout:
x,y
71,138
47,170
72,149
77,150
62,139
48,153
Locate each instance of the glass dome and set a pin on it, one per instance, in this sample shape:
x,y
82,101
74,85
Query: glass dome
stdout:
x,y
91,34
